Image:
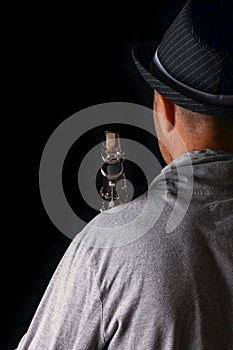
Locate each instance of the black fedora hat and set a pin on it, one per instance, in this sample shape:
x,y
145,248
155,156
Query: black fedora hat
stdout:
x,y
193,64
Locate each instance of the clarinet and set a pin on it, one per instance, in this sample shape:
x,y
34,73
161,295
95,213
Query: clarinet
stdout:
x,y
114,190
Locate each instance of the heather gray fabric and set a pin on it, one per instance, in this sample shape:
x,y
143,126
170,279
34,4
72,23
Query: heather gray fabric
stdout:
x,y
162,291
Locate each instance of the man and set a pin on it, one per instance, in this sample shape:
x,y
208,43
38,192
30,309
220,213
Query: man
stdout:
x,y
129,280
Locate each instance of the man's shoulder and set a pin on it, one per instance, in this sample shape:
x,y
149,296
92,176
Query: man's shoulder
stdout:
x,y
122,224
153,215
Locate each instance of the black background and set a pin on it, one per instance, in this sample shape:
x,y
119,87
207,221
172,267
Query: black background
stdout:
x,y
68,57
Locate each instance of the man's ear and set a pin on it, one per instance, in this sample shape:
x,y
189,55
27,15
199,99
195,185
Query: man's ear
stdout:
x,y
166,110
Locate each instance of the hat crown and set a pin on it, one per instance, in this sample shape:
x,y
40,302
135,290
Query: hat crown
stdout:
x,y
197,49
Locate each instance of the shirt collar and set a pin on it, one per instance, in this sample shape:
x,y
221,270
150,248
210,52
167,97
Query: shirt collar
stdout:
x,y
205,170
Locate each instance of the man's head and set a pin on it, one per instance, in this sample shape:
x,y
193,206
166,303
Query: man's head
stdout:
x,y
180,130
192,70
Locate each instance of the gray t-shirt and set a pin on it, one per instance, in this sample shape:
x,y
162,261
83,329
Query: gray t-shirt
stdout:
x,y
155,273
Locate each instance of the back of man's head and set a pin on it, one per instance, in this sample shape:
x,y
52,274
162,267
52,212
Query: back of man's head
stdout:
x,y
180,130
196,123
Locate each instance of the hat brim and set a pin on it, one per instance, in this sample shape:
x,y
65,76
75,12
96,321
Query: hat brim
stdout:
x,y
143,56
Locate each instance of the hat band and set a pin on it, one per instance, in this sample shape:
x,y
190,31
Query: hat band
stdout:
x,y
222,100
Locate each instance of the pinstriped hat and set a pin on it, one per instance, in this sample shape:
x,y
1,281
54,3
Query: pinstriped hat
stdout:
x,y
193,65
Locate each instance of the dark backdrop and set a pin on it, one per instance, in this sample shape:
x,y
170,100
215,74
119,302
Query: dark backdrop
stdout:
x,y
68,57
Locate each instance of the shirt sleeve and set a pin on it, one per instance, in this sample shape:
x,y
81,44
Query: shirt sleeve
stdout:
x,y
69,315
